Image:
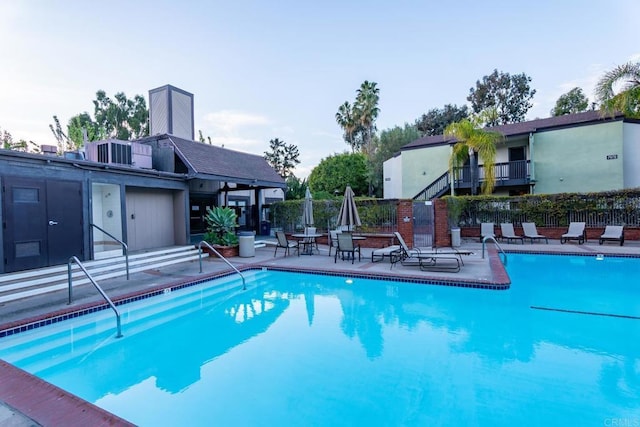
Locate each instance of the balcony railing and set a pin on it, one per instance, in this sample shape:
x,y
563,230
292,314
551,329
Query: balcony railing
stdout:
x,y
508,173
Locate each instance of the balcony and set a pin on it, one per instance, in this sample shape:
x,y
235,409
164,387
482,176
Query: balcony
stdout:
x,y
507,174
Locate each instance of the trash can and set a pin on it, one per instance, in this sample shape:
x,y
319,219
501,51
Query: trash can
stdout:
x,y
247,242
455,237
265,228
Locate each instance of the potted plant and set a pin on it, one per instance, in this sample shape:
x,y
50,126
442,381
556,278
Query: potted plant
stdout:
x,y
221,225
455,207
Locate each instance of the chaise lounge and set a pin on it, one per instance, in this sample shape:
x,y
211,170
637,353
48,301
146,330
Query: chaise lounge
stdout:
x,y
379,254
531,232
613,233
575,232
507,231
425,260
486,229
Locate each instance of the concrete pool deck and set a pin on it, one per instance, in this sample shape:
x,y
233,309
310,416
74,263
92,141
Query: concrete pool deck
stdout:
x,y
24,405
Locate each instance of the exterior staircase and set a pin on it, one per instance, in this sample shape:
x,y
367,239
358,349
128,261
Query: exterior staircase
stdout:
x,y
29,283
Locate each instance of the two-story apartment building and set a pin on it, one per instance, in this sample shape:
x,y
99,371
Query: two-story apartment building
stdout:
x,y
583,152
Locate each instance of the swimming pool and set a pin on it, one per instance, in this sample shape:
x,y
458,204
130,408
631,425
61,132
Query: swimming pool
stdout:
x,y
300,349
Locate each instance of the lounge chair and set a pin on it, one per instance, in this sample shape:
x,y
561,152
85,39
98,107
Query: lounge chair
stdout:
x,y
613,233
531,232
379,254
506,229
575,232
345,245
486,229
286,244
426,260
434,251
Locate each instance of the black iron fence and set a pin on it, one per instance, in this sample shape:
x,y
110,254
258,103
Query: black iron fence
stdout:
x,y
376,215
595,209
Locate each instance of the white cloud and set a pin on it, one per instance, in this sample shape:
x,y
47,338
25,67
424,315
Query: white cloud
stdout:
x,y
230,122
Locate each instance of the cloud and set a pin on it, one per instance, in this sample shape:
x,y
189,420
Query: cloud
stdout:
x,y
230,122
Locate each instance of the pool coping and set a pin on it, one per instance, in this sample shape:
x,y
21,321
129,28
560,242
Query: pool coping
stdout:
x,y
47,404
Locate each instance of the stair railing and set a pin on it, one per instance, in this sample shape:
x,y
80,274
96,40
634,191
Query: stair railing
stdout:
x,y
497,245
111,304
436,188
125,248
244,283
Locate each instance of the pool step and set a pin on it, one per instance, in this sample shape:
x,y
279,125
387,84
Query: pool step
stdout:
x,y
28,283
87,333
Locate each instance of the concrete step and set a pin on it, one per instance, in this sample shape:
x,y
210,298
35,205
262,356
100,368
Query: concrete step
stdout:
x,y
35,282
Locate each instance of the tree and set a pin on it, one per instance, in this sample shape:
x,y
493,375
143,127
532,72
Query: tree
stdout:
x,y
282,157
571,102
436,120
509,95
473,142
8,143
366,110
201,138
62,139
345,118
122,119
359,121
78,125
333,173
296,188
627,100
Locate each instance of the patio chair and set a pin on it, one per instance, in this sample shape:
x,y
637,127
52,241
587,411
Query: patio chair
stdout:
x,y
486,229
506,229
345,245
575,232
333,237
613,233
310,242
530,232
286,244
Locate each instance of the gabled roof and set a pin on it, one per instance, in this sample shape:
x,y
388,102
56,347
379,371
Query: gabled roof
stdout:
x,y
211,162
524,128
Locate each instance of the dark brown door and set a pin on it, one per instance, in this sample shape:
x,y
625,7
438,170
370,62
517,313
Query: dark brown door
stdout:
x,y
42,222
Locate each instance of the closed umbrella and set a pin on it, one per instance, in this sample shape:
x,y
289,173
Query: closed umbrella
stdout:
x,y
348,215
307,210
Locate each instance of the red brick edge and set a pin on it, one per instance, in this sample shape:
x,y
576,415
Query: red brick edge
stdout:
x,y
49,405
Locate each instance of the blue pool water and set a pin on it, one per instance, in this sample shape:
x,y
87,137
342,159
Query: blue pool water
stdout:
x,y
299,349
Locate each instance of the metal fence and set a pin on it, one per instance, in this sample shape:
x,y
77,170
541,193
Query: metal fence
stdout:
x,y
596,210
376,215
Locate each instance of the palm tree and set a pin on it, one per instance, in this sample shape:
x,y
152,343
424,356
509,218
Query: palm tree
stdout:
x,y
366,110
628,99
348,123
474,142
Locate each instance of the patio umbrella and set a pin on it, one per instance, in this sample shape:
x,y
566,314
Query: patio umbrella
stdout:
x,y
348,215
307,210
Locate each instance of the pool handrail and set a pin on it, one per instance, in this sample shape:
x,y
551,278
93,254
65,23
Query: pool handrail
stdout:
x,y
485,238
125,248
111,304
244,283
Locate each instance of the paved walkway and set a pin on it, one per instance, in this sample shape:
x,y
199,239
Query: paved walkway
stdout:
x,y
475,268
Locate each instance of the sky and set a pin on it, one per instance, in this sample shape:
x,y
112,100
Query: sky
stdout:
x,y
261,70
